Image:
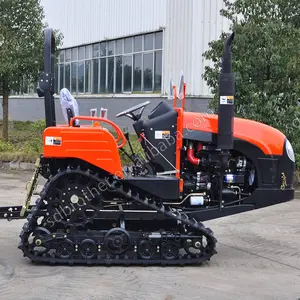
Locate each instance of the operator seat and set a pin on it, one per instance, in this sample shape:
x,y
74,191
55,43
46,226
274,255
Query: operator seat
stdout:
x,y
69,106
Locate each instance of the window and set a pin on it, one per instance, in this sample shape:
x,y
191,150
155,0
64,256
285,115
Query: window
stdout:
x,y
95,88
81,54
88,52
80,77
158,40
128,45
68,76
110,74
103,75
148,71
68,55
88,75
137,72
62,56
148,42
103,49
118,74
96,50
119,46
111,48
125,65
74,54
157,70
138,43
74,67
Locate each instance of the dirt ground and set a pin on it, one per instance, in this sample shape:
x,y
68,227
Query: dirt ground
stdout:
x,y
258,258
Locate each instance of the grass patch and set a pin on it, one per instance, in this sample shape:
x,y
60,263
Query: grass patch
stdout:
x,y
137,148
26,142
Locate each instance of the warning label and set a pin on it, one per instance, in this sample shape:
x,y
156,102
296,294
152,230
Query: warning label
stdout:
x,y
162,135
53,141
227,100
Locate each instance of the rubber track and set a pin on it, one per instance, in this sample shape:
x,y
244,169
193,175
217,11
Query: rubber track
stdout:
x,y
118,187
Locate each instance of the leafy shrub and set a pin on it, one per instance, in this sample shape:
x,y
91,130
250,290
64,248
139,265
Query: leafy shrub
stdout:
x,y
38,126
21,125
6,146
33,145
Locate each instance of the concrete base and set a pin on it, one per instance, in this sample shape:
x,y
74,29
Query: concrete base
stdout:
x,y
19,166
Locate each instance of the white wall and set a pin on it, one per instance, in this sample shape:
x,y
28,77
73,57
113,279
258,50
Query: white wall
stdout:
x,y
88,21
191,25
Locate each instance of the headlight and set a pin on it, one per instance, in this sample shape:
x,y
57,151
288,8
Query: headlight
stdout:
x,y
289,151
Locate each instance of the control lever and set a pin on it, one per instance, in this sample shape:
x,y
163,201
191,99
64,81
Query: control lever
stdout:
x,y
129,143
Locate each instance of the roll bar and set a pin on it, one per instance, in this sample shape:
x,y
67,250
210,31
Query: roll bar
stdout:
x,y
46,86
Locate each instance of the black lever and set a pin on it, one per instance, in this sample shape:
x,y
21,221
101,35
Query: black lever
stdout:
x,y
70,116
129,143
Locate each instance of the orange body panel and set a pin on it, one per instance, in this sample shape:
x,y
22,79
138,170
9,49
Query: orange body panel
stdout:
x,y
92,144
179,139
268,139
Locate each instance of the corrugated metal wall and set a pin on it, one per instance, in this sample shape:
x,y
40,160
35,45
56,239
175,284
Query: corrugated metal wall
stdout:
x,y
87,21
189,25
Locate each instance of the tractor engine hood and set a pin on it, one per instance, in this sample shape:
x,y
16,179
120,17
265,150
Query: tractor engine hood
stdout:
x,y
268,139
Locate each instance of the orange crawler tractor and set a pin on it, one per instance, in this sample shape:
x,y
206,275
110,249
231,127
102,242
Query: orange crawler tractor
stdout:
x,y
195,167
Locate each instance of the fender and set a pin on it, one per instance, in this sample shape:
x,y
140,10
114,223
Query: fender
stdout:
x,y
94,145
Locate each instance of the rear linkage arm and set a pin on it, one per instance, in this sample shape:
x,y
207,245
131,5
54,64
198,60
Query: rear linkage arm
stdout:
x,y
21,212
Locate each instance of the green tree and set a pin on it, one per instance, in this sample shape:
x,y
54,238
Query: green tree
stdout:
x,y
21,47
266,60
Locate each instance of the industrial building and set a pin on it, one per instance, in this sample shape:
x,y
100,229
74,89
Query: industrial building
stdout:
x,y
134,46
116,53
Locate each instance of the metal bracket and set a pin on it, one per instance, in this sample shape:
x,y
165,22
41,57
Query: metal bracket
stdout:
x,y
167,173
31,186
46,82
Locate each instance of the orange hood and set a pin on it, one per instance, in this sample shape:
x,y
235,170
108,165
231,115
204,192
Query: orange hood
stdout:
x,y
267,138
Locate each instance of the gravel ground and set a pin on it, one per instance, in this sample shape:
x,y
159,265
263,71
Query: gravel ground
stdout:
x,y
258,258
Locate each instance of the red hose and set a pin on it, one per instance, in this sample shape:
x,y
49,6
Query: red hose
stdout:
x,y
199,147
191,156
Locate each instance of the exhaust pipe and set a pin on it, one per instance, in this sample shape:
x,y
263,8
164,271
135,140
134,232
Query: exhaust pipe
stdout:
x,y
226,99
226,112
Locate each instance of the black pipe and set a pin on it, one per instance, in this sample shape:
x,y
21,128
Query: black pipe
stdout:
x,y
227,55
46,87
226,99
225,113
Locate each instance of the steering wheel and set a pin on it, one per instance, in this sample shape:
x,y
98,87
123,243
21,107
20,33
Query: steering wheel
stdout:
x,y
129,112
